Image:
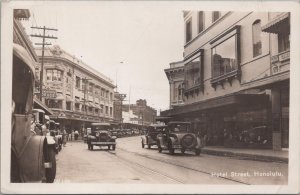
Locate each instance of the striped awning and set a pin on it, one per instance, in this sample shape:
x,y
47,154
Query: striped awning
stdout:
x,y
279,24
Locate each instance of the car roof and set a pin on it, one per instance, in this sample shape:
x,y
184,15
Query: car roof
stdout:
x,y
38,110
98,124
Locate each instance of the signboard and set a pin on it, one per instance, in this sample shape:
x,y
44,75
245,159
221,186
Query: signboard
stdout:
x,y
280,58
49,93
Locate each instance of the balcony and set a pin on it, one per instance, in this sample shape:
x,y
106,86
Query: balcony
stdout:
x,y
235,74
280,62
191,87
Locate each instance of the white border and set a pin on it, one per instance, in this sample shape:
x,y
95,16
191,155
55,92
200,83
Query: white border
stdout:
x,y
294,154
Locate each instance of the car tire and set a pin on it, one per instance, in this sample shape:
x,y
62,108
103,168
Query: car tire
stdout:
x,y
92,147
149,146
182,150
171,150
89,147
51,172
113,147
197,152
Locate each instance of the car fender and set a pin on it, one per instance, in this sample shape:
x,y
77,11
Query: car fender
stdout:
x,y
31,161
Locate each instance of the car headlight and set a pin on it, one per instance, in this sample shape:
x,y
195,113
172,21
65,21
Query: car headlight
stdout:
x,y
114,137
97,134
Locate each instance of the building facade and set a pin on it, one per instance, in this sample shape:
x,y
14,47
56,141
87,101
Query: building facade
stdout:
x,y
175,76
118,101
76,93
236,75
145,114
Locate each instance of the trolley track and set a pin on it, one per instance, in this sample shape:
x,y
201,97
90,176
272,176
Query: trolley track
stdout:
x,y
171,163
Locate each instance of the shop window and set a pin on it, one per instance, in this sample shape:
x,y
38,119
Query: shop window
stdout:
x,y
180,92
52,103
101,108
68,105
224,57
96,110
90,109
188,31
78,82
200,21
215,16
283,42
256,33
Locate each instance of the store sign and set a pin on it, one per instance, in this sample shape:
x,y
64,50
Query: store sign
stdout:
x,y
280,58
49,93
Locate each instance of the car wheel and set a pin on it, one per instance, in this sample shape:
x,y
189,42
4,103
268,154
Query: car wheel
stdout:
x,y
149,146
89,146
113,147
92,147
143,145
197,152
171,151
108,147
182,150
51,172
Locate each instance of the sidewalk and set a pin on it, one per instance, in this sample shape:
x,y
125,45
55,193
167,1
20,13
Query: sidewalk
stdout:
x,y
249,154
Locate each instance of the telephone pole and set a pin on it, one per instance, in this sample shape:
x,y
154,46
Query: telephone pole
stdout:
x,y
44,37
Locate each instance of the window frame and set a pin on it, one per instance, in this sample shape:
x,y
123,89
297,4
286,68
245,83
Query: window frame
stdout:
x,y
258,21
189,21
203,21
213,16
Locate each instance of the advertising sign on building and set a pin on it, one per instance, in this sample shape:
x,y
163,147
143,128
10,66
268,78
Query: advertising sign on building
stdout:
x,y
49,93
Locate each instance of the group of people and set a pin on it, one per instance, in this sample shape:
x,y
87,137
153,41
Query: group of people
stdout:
x,y
69,136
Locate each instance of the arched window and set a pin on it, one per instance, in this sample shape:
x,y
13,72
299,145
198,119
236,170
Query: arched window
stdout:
x,y
256,33
180,92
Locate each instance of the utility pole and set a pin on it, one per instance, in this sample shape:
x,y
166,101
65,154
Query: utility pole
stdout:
x,y
85,81
44,36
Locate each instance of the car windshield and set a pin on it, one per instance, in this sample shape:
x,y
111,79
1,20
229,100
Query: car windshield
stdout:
x,y
180,127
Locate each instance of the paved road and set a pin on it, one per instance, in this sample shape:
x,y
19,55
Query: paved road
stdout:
x,y
130,163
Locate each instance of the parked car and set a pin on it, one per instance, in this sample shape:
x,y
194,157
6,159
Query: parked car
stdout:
x,y
178,135
41,129
101,136
150,138
30,155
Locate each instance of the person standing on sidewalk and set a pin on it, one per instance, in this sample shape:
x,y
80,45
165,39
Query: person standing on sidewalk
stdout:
x,y
65,137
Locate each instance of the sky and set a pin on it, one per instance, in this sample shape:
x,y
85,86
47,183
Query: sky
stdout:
x,y
130,42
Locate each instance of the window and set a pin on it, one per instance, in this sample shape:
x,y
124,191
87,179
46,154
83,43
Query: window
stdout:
x,y
283,42
106,94
102,92
68,105
224,57
77,106
54,75
90,109
106,109
84,85
110,111
188,31
96,110
215,16
192,73
77,82
200,21
256,33
101,108
91,88
51,103
111,97
180,92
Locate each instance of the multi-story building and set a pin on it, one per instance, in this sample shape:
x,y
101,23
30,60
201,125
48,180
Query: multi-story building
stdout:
x,y
236,74
76,93
146,114
175,76
118,101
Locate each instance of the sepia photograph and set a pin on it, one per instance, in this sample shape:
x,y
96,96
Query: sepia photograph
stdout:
x,y
149,97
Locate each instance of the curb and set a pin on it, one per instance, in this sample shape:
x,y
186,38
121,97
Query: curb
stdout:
x,y
244,156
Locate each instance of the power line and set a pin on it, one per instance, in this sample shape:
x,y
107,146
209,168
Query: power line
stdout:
x,y
44,37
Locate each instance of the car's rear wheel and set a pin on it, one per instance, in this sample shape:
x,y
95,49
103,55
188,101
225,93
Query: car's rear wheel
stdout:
x,y
197,152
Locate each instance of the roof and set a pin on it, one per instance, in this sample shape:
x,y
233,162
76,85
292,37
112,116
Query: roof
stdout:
x,y
38,110
23,55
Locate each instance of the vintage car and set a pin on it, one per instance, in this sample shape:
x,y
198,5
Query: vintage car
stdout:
x,y
101,136
150,138
178,135
31,158
42,129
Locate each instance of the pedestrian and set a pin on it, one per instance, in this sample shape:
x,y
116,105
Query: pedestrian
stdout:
x,y
72,135
76,133
64,137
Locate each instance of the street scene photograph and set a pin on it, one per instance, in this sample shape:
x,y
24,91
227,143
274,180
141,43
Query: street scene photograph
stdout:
x,y
148,93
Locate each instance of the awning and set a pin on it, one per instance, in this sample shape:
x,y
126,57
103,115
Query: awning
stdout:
x,y
278,24
38,104
228,100
23,55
